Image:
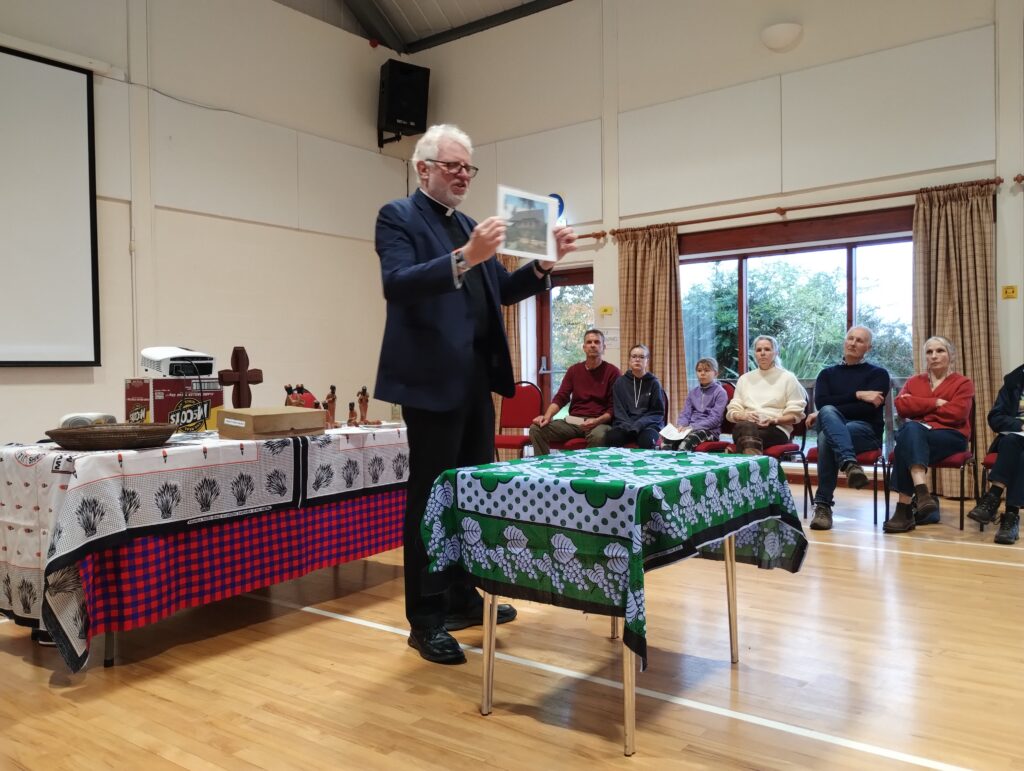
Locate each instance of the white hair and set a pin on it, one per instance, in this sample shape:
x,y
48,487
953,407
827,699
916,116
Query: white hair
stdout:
x,y
871,335
426,147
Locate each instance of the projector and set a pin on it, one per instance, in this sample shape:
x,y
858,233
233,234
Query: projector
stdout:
x,y
171,361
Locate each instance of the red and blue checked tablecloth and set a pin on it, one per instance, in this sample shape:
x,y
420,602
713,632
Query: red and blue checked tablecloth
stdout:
x,y
152,577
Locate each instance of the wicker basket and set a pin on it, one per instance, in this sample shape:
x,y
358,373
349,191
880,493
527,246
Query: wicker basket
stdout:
x,y
113,436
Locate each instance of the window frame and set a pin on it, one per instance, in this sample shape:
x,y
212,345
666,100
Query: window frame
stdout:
x,y
577,276
842,231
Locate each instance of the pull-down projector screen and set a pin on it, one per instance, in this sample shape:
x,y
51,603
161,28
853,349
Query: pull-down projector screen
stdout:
x,y
49,290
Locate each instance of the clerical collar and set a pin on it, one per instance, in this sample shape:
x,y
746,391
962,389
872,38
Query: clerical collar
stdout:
x,y
439,207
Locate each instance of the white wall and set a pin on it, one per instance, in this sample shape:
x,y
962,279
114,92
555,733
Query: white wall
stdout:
x,y
248,154
253,176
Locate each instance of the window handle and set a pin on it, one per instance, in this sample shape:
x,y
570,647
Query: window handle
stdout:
x,y
543,369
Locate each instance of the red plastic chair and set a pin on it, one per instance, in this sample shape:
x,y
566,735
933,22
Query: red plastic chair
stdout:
x,y
580,443
873,458
517,413
958,460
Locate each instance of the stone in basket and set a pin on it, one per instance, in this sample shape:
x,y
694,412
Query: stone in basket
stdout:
x,y
113,436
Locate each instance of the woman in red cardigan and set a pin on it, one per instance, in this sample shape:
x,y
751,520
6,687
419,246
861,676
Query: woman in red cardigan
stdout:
x,y
936,406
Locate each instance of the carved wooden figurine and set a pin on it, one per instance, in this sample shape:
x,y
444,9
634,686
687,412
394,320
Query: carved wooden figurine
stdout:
x,y
352,419
364,403
330,404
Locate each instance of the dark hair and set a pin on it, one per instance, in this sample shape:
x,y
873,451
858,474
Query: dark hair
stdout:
x,y
597,332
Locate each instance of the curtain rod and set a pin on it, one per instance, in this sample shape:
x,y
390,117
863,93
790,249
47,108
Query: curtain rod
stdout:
x,y
782,211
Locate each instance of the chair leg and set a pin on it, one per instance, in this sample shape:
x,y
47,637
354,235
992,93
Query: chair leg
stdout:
x,y
963,472
874,491
886,486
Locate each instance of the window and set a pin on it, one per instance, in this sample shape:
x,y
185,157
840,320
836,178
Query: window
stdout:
x,y
805,297
884,291
563,315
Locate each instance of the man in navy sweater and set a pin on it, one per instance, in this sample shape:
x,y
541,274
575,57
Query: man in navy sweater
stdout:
x,y
849,398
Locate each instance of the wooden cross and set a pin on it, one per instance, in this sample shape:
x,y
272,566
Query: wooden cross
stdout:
x,y
240,376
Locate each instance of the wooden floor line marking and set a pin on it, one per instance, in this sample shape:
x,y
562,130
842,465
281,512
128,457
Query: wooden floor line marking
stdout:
x,y
775,725
919,554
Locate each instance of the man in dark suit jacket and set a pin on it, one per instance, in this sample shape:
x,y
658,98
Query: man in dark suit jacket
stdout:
x,y
444,352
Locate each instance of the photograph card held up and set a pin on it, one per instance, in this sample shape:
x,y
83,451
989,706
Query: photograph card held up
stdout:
x,y
530,223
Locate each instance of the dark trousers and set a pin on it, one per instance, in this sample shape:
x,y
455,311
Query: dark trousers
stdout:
x,y
620,437
1009,468
918,445
750,435
439,441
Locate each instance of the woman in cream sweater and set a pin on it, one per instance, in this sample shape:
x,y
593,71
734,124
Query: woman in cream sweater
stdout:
x,y
767,403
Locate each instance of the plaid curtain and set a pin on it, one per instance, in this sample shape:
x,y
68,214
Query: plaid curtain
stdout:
x,y
510,314
954,294
650,309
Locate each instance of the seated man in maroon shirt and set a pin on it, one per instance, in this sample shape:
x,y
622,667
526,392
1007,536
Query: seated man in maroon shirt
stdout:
x,y
587,389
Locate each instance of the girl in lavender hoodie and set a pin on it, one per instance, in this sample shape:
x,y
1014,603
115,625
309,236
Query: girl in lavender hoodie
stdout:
x,y
704,408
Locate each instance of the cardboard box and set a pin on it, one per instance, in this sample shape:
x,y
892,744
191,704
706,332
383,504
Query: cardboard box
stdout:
x,y
270,422
191,403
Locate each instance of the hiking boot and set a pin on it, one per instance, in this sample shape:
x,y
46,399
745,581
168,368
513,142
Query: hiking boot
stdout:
x,y
822,517
988,506
1009,528
855,476
901,521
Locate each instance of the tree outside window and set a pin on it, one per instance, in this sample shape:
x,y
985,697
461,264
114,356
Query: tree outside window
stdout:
x,y
803,300
572,314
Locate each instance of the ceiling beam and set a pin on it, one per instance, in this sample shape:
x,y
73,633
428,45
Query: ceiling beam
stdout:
x,y
376,24
479,25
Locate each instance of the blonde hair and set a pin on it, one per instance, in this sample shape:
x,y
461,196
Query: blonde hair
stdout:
x,y
946,343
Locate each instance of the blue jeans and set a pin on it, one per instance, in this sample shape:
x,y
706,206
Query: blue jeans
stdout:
x,y
1009,468
918,445
839,441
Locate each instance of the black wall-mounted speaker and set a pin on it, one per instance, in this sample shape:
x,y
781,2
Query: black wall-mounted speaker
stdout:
x,y
402,108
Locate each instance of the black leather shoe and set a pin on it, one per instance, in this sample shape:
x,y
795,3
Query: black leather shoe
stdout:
x,y
462,619
436,645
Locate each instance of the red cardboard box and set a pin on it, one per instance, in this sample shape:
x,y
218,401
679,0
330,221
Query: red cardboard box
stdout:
x,y
191,403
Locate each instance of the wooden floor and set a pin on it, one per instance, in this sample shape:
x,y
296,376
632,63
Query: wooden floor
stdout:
x,y
884,652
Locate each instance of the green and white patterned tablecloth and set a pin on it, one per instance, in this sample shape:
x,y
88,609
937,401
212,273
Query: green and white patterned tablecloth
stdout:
x,y
580,528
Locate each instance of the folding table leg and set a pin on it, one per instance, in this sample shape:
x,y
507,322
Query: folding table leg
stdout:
x,y
109,648
730,591
490,625
629,699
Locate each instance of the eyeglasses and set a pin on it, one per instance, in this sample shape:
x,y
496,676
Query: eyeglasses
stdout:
x,y
454,167
637,356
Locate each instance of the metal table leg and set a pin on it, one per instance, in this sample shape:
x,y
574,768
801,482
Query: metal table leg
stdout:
x,y
490,625
629,699
730,590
